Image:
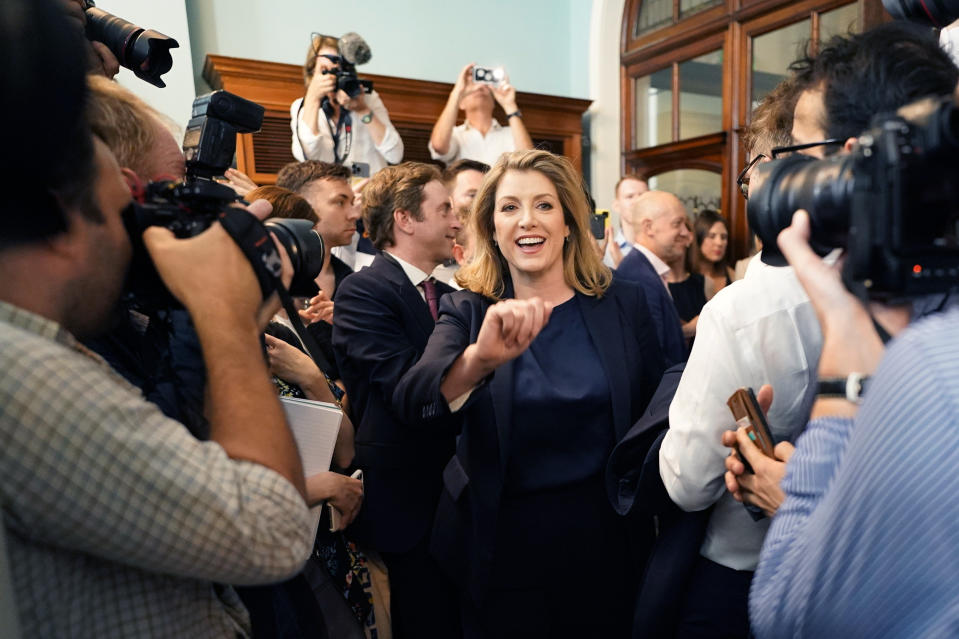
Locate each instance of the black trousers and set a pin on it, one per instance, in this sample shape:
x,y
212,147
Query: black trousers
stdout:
x,y
423,602
717,603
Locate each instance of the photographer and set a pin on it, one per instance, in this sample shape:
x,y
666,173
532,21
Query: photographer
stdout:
x,y
119,521
868,520
330,126
480,137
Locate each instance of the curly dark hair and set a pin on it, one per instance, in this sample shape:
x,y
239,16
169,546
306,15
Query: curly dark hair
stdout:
x,y
865,74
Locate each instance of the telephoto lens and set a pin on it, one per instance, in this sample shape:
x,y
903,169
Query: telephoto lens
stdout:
x,y
144,51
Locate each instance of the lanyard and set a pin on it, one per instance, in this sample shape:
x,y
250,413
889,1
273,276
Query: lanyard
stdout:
x,y
345,125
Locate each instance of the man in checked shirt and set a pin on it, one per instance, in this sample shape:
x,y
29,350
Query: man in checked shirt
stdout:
x,y
119,523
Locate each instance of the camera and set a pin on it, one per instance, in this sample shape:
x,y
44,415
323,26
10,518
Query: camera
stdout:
x,y
936,13
189,207
353,50
485,75
144,51
892,204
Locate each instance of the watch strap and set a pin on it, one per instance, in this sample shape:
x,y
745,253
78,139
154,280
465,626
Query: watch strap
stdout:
x,y
851,388
517,113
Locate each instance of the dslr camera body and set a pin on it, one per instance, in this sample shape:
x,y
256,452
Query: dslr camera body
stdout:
x,y
189,207
892,204
353,50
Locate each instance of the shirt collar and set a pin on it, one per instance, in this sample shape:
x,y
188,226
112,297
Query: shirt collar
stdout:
x,y
415,275
659,266
494,126
42,326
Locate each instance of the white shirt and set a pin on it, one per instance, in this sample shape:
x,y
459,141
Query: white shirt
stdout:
x,y
661,267
759,330
467,142
307,146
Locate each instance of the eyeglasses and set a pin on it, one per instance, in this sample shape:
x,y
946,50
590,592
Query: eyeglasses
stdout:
x,y
783,151
743,180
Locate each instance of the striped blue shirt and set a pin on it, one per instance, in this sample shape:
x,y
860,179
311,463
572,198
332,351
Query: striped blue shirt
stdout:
x,y
867,542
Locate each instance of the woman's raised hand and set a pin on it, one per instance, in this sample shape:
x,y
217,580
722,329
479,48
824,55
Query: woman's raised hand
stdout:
x,y
508,329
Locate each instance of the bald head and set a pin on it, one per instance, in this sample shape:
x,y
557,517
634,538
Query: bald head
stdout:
x,y
659,220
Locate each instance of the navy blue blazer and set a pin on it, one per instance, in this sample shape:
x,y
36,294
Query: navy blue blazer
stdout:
x,y
380,328
464,531
669,328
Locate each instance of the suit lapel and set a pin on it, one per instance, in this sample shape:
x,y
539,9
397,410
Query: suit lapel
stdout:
x,y
605,329
394,273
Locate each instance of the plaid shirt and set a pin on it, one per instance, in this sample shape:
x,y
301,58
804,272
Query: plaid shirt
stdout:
x,y
119,521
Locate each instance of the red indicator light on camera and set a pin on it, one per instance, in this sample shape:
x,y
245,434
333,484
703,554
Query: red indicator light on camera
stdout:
x,y
917,269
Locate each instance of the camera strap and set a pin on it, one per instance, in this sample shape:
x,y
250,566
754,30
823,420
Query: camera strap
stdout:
x,y
344,125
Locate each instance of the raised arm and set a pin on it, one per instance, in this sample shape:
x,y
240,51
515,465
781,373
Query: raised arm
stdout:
x,y
505,94
508,329
441,138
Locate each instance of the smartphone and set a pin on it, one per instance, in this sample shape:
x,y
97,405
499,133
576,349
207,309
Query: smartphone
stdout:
x,y
745,408
487,75
360,170
334,513
597,223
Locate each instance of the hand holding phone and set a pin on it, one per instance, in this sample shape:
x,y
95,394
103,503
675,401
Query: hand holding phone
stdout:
x,y
748,414
597,223
335,515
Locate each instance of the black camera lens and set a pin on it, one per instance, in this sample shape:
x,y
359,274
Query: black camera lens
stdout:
x,y
937,13
823,188
305,248
144,51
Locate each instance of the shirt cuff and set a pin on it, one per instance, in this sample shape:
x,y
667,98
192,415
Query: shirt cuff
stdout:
x,y
457,403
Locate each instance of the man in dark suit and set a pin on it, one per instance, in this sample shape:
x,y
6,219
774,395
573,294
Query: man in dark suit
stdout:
x,y
658,219
384,316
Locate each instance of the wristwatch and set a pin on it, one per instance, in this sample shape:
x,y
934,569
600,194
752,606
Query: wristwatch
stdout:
x,y
851,388
366,119
517,113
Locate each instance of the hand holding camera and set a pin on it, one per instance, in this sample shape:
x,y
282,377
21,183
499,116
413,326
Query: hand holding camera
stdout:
x,y
355,104
323,83
211,261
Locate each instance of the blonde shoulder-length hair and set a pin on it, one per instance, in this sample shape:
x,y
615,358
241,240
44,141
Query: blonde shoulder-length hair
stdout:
x,y
583,268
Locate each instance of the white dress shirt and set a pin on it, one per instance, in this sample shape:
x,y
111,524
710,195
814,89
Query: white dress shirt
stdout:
x,y
759,330
307,146
467,142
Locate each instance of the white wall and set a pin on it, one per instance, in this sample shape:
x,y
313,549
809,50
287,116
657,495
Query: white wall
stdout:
x,y
169,18
542,43
604,46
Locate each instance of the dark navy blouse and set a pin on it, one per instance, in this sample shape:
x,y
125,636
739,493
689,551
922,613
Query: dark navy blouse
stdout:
x,y
562,421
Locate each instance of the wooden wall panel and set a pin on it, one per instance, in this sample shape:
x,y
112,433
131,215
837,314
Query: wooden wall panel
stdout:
x,y
554,122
